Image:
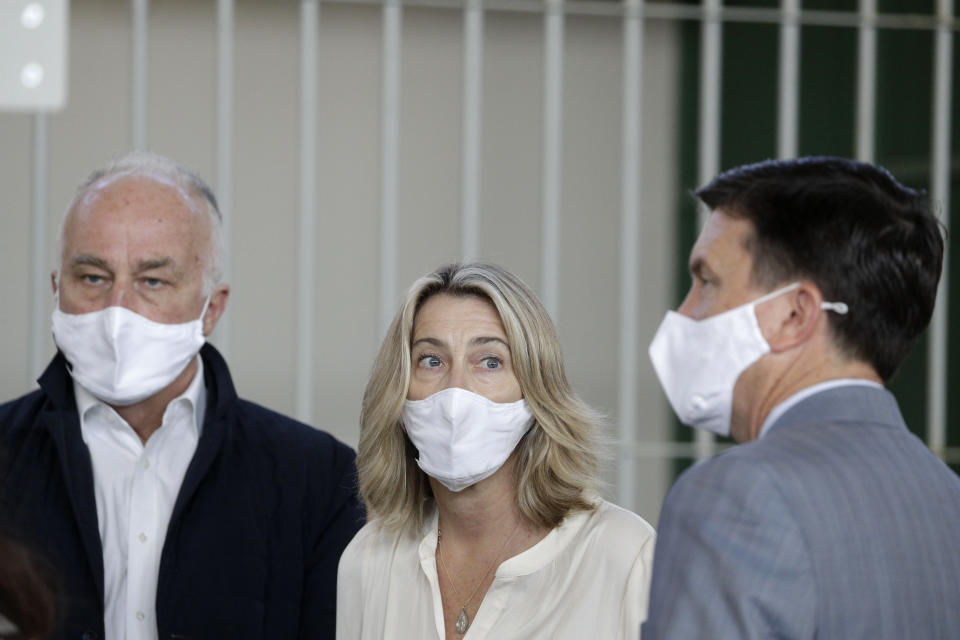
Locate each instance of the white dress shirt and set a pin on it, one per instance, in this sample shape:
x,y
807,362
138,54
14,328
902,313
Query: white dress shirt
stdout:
x,y
136,486
588,578
781,408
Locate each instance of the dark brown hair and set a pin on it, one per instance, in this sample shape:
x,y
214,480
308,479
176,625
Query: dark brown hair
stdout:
x,y
862,237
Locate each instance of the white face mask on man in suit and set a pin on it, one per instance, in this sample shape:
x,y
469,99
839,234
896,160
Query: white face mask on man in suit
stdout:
x,y
698,361
121,357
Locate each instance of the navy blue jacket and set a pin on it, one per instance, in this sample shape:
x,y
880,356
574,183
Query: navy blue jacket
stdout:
x,y
266,507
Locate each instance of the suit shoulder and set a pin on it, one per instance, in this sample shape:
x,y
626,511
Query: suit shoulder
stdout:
x,y
741,475
20,413
284,431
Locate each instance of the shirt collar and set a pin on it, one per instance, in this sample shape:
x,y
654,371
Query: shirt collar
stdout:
x,y
782,408
526,562
195,396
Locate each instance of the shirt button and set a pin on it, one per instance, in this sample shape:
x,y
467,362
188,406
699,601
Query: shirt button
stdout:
x,y
140,616
142,538
146,464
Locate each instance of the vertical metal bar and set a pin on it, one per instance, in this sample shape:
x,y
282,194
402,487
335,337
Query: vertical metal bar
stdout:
x,y
937,344
389,161
472,96
225,28
552,150
39,285
309,27
866,81
788,100
138,74
630,248
711,52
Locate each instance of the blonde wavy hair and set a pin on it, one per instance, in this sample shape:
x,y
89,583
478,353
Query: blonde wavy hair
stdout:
x,y
557,461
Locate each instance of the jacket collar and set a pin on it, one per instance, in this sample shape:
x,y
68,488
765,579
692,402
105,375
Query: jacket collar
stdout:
x,y
59,417
860,404
57,383
217,427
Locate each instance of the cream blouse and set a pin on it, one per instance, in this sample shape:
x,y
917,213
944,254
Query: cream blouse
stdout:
x,y
588,578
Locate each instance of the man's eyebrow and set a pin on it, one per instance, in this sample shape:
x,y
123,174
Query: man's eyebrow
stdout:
x,y
154,263
91,261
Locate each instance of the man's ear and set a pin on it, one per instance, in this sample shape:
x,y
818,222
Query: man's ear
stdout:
x,y
218,304
53,281
791,319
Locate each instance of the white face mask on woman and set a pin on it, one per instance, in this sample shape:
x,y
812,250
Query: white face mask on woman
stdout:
x,y
698,361
463,437
121,357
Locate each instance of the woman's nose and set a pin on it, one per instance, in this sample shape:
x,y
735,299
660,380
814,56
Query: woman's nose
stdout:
x,y
458,377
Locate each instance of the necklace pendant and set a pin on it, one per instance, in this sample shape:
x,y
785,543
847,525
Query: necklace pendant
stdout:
x,y
463,621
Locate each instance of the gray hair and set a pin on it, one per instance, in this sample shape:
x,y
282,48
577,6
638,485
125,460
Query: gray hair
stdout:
x,y
147,164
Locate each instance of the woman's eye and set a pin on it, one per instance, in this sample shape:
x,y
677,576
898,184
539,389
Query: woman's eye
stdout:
x,y
491,362
430,362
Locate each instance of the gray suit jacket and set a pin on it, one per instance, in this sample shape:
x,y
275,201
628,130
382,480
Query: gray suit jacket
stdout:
x,y
838,523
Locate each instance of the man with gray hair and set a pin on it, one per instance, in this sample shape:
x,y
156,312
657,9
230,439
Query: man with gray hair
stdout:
x,y
166,506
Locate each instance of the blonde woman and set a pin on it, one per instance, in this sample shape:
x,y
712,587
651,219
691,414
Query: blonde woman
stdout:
x,y
477,463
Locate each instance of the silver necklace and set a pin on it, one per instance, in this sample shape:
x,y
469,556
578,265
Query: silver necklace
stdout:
x,y
463,620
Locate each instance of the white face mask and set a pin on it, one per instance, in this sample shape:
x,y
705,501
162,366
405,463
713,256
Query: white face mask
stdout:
x,y
462,437
120,357
698,361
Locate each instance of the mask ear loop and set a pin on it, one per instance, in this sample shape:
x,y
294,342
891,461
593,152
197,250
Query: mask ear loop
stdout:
x,y
206,304
840,308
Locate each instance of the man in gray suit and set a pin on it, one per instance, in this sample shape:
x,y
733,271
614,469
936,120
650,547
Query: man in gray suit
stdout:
x,y
812,280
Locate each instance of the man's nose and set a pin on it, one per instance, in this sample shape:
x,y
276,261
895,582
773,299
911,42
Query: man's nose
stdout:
x,y
686,307
120,294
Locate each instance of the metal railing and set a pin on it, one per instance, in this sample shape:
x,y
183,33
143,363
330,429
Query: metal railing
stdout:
x,y
634,14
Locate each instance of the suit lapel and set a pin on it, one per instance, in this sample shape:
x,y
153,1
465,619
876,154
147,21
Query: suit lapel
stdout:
x,y
220,397
64,428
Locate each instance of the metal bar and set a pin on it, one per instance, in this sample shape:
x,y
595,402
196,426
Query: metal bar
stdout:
x,y
660,450
711,53
937,345
306,320
472,96
225,29
138,74
630,245
676,11
789,91
552,150
39,320
866,81
392,16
